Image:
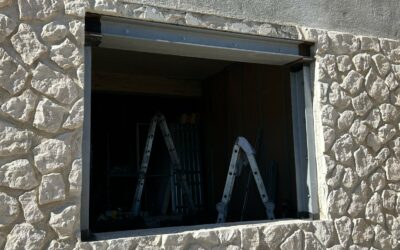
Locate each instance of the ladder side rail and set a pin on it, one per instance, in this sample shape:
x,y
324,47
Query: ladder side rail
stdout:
x,y
222,207
269,206
143,167
175,160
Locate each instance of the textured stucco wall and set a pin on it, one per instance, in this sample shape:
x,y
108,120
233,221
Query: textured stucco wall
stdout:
x,y
356,104
361,17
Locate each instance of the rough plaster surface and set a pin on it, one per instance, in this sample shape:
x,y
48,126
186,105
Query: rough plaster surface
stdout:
x,y
356,109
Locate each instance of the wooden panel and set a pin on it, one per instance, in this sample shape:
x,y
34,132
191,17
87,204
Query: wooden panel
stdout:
x,y
145,84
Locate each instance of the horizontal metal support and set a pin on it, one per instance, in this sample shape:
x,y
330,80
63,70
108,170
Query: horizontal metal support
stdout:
x,y
144,36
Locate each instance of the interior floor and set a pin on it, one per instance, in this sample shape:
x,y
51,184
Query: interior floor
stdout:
x,y
207,105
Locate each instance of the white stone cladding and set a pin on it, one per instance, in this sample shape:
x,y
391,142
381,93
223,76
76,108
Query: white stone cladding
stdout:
x,y
356,111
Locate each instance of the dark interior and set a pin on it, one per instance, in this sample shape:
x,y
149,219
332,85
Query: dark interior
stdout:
x,y
207,105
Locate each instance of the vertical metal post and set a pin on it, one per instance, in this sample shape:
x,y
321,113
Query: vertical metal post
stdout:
x,y
312,165
84,220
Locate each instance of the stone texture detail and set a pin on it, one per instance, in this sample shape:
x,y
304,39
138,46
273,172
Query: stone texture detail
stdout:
x,y
26,43
54,32
13,76
7,26
21,107
18,174
51,189
75,177
14,141
38,9
29,203
9,209
51,155
75,118
25,236
63,223
54,84
49,116
66,54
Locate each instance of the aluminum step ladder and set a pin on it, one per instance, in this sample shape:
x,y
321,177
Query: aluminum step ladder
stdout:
x,y
234,171
176,165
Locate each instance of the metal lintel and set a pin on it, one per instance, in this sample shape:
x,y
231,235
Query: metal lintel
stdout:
x,y
145,36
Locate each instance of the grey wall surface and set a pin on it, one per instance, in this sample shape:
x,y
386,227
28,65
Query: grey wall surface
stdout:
x,y
363,17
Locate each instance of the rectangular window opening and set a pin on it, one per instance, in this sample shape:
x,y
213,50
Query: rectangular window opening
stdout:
x,y
207,103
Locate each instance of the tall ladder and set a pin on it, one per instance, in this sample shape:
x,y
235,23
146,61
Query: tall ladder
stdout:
x,y
234,171
176,165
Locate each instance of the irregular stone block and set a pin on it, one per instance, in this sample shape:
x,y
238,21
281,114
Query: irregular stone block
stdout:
x,y
353,82
328,67
344,226
13,76
25,236
26,43
395,97
66,55
362,62
382,64
376,87
335,177
61,245
389,112
343,149
51,189
343,43
362,233
310,242
343,63
370,44
76,7
14,141
274,235
374,118
63,223
54,32
75,118
18,174
54,84
32,213
325,232
75,177
377,180
337,97
229,236
329,115
359,131
393,225
389,198
362,104
49,116
383,239
252,236
38,9
7,26
391,81
338,202
392,168
21,107
295,241
77,28
345,119
373,210
350,178
359,199
366,162
51,155
9,209
80,72
329,137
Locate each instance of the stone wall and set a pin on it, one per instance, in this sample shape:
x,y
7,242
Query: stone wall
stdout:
x,y
356,102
